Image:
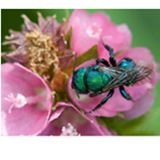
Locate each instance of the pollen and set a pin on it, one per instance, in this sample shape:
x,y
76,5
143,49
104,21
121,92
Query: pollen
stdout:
x,y
42,54
69,130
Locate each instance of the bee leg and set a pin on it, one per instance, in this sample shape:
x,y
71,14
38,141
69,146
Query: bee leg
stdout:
x,y
109,95
113,61
124,93
111,58
77,94
103,61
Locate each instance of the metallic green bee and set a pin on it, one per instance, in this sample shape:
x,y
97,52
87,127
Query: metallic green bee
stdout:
x,y
102,77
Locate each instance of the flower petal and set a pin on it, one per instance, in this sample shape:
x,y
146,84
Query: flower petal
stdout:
x,y
140,107
31,118
84,125
90,29
28,24
117,37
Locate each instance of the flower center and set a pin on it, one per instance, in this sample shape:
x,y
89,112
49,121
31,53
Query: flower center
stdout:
x,y
69,130
42,54
94,31
18,101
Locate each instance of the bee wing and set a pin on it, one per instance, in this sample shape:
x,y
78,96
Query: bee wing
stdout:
x,y
117,81
120,76
140,74
143,74
113,71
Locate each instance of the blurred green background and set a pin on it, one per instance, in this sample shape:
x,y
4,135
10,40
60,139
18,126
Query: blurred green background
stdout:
x,y
145,27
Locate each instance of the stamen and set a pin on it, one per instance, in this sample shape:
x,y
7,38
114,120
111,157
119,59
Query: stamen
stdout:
x,y
42,54
69,130
65,42
18,101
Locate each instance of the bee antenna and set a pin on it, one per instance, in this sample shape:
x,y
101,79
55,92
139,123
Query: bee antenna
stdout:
x,y
102,42
105,45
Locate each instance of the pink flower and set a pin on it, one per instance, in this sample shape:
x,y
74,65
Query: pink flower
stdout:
x,y
117,104
119,38
67,120
87,30
26,101
42,48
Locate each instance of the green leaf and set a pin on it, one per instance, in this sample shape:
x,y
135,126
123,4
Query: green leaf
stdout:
x,y
92,53
148,124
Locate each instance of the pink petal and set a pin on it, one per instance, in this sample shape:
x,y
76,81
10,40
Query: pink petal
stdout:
x,y
15,39
33,117
19,55
51,26
79,23
142,54
29,25
41,21
117,37
85,125
140,107
90,29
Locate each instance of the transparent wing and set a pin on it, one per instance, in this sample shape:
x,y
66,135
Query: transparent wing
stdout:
x,y
143,73
113,71
119,76
137,75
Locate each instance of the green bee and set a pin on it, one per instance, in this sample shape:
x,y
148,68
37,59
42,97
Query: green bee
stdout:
x,y
104,77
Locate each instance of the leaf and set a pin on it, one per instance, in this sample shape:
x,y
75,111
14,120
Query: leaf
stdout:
x,y
148,124
72,61
92,53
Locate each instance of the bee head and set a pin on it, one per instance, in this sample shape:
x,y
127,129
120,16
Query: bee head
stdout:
x,y
78,81
127,63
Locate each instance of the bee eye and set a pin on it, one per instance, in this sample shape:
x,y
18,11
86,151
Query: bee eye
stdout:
x,y
127,63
